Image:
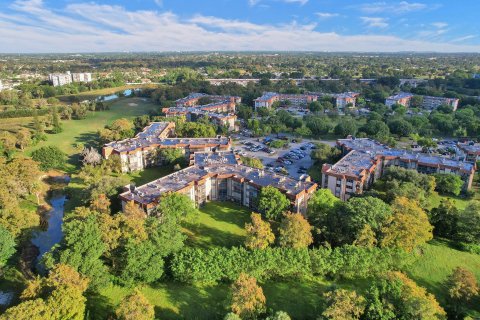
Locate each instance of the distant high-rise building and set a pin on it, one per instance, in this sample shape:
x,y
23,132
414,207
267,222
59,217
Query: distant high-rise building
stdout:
x,y
60,79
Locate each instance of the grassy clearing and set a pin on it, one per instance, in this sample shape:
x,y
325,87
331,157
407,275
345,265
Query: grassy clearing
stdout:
x,y
436,262
219,224
300,298
84,132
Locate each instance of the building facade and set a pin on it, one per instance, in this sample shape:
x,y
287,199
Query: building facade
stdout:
x,y
402,98
145,149
219,177
296,100
345,100
60,79
432,103
365,160
221,109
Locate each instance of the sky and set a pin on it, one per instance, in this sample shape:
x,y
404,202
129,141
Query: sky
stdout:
x,y
40,26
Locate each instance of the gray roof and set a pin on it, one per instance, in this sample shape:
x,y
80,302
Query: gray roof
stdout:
x,y
152,191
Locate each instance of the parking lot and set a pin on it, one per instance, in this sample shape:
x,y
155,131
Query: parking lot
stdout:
x,y
294,160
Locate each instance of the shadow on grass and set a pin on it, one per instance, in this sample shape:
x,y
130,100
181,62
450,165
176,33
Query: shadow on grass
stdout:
x,y
301,299
205,237
191,302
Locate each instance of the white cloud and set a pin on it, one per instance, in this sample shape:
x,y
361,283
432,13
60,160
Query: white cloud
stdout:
x,y
90,27
158,2
394,8
301,2
375,22
326,15
461,39
440,25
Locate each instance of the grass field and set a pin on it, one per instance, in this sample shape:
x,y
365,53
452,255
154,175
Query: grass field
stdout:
x,y
84,131
219,224
301,299
436,262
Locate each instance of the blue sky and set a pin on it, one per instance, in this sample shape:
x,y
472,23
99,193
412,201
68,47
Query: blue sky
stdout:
x,y
290,25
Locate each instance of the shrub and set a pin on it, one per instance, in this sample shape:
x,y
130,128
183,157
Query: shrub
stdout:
x,y
50,157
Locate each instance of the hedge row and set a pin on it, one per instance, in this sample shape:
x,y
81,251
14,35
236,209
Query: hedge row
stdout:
x,y
21,113
193,265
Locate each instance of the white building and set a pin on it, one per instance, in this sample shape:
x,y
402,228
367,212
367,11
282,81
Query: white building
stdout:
x,y
60,79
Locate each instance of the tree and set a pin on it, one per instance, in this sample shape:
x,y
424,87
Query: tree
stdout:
x,y
133,211
172,156
247,299
60,296
82,248
468,229
7,245
56,125
176,207
279,315
91,156
346,127
272,203
400,127
462,287
366,237
448,183
252,162
101,204
343,304
295,231
49,157
408,227
361,212
318,125
323,153
24,138
135,307
321,206
259,233
38,128
444,219
398,297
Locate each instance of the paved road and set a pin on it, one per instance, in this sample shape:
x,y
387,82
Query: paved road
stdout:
x,y
271,158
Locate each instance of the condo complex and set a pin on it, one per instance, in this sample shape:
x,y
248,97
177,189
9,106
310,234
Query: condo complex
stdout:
x,y
220,176
365,160
220,109
145,149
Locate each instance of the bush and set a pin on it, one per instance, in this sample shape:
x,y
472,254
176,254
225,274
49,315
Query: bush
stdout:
x,y
50,157
277,144
193,265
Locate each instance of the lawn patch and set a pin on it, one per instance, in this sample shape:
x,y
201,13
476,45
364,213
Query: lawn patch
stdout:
x,y
219,224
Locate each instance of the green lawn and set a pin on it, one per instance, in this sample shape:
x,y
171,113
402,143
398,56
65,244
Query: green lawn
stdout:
x,y
436,262
219,224
300,298
85,131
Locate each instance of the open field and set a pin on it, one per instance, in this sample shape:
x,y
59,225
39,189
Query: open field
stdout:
x,y
301,299
219,224
84,132
436,262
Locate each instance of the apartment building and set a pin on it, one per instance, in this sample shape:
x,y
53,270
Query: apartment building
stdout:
x,y
296,100
402,98
432,103
220,177
145,149
82,77
472,151
221,110
365,160
60,79
346,99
